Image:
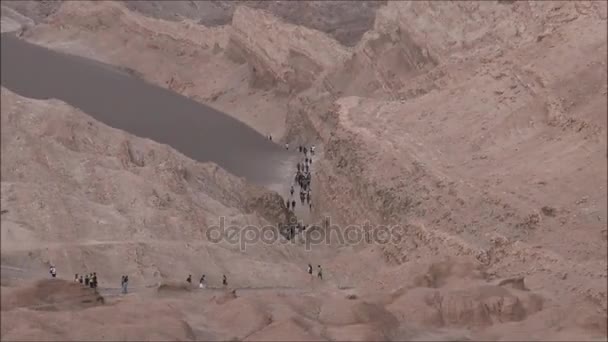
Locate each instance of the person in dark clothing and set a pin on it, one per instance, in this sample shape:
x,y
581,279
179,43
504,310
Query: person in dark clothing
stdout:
x,y
293,204
291,190
124,283
86,280
189,279
287,202
224,281
305,150
81,280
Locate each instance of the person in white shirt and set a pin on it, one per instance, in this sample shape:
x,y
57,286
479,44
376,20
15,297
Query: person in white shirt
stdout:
x,y
202,283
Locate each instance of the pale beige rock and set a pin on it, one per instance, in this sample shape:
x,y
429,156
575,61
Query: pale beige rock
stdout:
x,y
460,122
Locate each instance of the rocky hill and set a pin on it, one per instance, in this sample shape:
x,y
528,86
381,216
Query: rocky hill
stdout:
x,y
476,140
477,127
102,198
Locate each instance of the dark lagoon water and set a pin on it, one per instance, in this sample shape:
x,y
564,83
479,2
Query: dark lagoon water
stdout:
x,y
123,101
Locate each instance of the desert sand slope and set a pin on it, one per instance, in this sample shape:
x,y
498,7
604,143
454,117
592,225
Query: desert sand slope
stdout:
x,y
494,148
11,20
110,202
476,129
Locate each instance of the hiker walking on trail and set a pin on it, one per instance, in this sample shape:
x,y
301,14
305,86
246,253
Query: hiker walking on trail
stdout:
x,y
224,280
93,281
202,283
319,272
123,283
53,271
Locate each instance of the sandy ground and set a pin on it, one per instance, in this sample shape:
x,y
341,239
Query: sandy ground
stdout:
x,y
479,128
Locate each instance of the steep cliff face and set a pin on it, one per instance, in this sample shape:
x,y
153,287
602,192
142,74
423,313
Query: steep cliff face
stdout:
x,y
410,39
344,21
282,53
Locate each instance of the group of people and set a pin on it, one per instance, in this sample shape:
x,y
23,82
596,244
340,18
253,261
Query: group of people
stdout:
x,y
302,178
319,271
202,283
290,230
89,280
